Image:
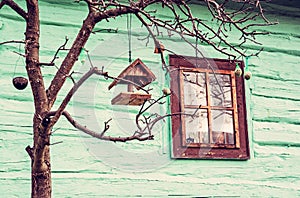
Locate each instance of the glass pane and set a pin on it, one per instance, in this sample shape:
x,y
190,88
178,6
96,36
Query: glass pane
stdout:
x,y
194,88
220,89
196,126
222,127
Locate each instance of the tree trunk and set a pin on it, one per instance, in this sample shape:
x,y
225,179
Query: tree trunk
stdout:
x,y
40,153
40,166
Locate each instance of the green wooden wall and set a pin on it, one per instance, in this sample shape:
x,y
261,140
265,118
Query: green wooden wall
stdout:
x,y
87,167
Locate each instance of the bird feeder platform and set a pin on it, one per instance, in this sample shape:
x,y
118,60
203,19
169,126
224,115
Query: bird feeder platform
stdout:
x,y
129,98
136,76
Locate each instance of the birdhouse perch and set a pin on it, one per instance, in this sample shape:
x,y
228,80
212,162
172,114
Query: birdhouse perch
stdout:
x,y
136,75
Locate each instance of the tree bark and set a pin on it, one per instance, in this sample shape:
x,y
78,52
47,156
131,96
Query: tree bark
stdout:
x,y
40,166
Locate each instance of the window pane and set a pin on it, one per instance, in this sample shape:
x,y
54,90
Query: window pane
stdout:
x,y
196,126
194,88
222,127
220,89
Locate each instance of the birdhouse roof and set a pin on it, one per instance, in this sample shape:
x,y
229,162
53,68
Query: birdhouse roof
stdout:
x,y
136,72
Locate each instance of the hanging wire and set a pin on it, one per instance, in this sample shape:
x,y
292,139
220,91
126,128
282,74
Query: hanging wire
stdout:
x,y
17,61
247,63
197,46
129,23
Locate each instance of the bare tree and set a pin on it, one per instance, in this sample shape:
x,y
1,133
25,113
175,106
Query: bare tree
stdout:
x,y
182,22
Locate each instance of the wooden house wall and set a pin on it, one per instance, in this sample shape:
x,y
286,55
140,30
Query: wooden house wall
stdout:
x,y
87,167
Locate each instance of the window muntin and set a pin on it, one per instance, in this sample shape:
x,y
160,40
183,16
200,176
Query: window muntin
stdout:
x,y
212,124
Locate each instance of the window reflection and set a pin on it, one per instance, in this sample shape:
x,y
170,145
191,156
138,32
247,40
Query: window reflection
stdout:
x,y
222,127
194,88
220,90
196,126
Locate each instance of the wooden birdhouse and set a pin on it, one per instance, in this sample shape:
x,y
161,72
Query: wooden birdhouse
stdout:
x,y
135,76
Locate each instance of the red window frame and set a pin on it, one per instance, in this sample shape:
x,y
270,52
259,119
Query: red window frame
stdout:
x,y
180,149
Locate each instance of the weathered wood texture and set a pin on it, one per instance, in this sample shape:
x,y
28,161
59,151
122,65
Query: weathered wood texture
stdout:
x,y
86,167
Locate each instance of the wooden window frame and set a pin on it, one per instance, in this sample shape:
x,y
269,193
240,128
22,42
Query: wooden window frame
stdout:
x,y
180,149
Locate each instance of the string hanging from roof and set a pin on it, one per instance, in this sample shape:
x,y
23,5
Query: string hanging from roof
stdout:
x,y
129,24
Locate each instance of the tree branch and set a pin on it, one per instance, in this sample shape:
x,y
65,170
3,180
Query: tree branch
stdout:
x,y
15,7
101,134
62,47
70,59
144,109
72,92
29,151
12,41
184,24
93,70
82,37
157,44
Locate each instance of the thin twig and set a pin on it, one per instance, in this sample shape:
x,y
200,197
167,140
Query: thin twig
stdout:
x,y
62,47
12,41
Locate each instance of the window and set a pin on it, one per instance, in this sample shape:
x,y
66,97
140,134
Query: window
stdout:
x,y
208,104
